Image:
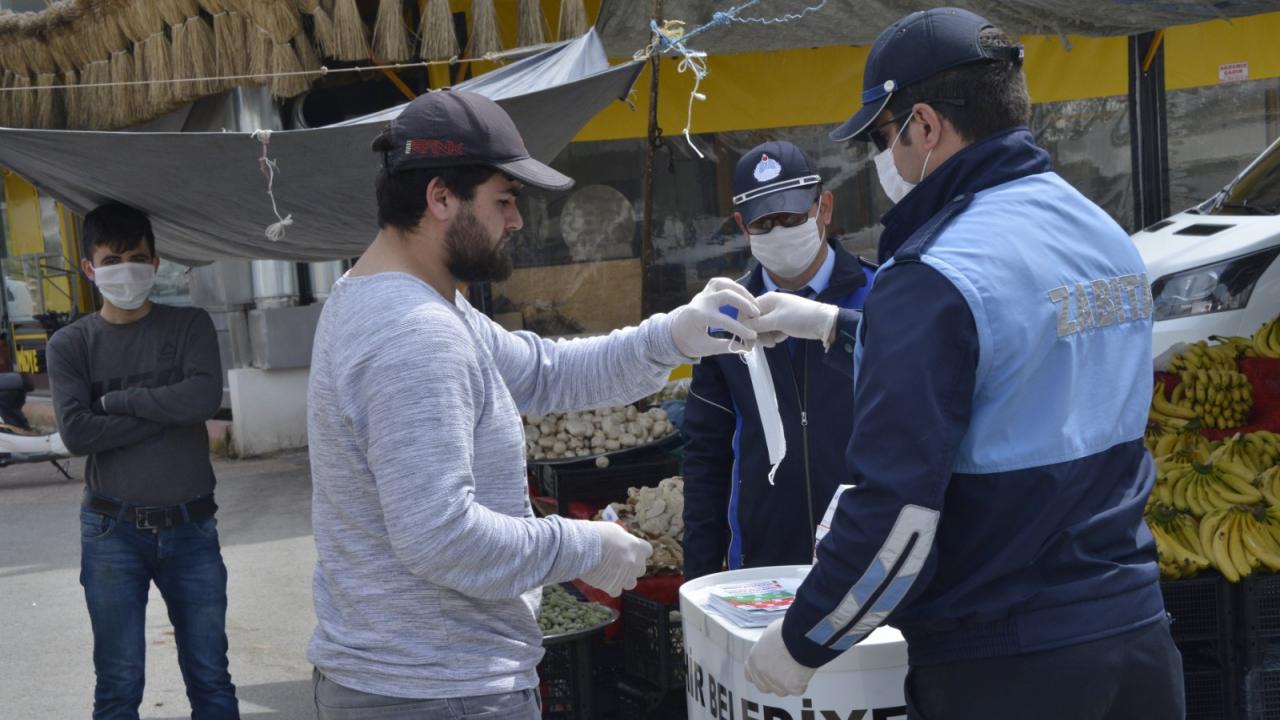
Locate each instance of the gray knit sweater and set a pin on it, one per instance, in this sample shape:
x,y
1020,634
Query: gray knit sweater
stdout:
x,y
429,558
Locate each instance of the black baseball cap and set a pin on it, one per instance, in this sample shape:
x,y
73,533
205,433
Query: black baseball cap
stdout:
x,y
916,48
775,177
451,127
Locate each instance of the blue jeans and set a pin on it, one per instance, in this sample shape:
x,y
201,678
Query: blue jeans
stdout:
x,y
118,563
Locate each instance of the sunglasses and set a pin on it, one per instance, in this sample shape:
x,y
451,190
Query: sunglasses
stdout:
x,y
878,132
787,220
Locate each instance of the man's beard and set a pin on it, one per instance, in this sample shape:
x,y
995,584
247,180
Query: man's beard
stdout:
x,y
473,257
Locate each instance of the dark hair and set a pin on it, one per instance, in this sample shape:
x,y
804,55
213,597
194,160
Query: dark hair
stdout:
x,y
980,99
402,196
118,227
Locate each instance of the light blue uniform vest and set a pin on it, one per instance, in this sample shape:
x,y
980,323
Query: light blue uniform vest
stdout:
x,y
1060,300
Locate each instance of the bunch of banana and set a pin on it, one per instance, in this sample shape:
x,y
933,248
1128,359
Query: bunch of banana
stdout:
x,y
1264,448
1220,398
1177,543
1268,483
1202,489
1255,452
1159,428
1243,345
1266,342
1202,356
1239,540
1183,446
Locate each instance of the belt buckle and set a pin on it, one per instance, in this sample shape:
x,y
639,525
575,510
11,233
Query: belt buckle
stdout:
x,y
142,518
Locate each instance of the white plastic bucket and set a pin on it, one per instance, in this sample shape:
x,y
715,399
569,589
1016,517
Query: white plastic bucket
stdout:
x,y
865,683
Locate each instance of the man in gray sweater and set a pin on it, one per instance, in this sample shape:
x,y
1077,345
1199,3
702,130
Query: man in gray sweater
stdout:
x,y
429,558
132,388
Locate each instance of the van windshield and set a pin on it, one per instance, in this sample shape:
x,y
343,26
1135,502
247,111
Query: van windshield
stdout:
x,y
1255,192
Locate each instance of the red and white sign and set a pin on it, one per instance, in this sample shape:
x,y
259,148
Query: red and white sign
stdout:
x,y
1233,72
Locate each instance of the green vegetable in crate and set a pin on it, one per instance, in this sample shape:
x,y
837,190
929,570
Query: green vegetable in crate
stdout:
x,y
563,613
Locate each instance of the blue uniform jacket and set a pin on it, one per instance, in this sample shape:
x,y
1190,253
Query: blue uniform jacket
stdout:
x,y
732,514
1002,384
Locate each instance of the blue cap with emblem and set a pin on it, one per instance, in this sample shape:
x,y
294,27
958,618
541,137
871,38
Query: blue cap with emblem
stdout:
x,y
916,48
775,177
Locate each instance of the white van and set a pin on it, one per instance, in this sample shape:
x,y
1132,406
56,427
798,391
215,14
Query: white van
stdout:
x,y
1213,268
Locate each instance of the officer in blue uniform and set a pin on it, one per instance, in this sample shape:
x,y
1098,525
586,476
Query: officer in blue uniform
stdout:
x,y
734,516
1001,391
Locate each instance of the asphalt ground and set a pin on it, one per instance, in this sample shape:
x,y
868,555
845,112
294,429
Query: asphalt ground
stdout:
x,y
264,522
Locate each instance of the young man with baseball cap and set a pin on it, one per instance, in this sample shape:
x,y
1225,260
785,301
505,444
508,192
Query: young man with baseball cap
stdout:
x,y
1001,394
734,516
429,559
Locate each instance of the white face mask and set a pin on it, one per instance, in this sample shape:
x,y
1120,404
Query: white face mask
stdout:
x,y
788,251
894,185
125,285
775,439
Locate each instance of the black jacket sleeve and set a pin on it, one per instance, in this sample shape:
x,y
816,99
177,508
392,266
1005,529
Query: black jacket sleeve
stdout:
x,y
708,470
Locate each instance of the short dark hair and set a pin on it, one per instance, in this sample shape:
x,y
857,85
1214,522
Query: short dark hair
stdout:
x,y
402,196
118,227
979,99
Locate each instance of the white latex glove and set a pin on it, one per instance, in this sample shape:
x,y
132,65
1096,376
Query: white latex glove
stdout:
x,y
690,323
784,315
622,559
771,668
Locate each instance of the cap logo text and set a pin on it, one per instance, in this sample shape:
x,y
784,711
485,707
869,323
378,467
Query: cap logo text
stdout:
x,y
434,148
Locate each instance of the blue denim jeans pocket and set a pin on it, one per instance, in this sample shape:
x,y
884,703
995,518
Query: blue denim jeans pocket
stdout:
x,y
94,526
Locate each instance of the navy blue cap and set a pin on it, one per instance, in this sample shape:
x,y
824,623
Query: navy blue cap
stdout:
x,y
775,177
916,48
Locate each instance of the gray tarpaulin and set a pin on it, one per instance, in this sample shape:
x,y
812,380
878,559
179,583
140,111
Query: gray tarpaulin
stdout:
x,y
206,194
624,24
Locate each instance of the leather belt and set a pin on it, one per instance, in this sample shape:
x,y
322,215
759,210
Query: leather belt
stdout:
x,y
154,517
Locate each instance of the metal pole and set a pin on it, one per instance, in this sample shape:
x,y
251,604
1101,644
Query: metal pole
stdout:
x,y
1147,128
646,226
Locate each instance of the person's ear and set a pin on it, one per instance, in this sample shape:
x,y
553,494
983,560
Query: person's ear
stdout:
x,y
928,125
86,267
737,218
441,203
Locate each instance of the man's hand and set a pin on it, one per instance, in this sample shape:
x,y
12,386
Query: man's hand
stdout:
x,y
771,668
690,323
784,315
623,559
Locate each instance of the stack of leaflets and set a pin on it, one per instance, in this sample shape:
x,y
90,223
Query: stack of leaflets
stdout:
x,y
751,604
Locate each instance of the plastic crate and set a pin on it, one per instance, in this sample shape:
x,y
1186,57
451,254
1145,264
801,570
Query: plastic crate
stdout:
x,y
1200,610
1259,609
654,642
1262,694
638,700
570,482
568,672
1210,695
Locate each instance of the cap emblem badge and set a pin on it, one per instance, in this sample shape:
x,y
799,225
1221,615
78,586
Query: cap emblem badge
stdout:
x,y
767,169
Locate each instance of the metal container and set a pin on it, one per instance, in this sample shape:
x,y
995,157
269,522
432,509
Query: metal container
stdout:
x,y
323,276
275,284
